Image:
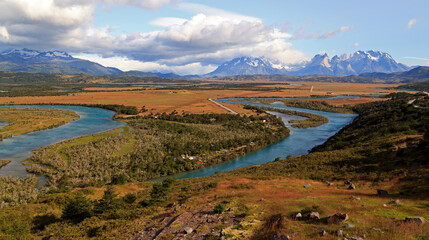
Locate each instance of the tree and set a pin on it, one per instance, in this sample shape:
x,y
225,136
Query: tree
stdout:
x,y
161,191
108,202
78,209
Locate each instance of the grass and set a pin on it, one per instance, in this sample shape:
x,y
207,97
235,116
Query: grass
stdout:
x,y
26,120
196,101
4,163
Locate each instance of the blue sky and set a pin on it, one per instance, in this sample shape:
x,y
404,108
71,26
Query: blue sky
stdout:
x,y
195,36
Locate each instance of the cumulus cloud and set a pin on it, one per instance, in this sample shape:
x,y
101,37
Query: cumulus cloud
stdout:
x,y
126,64
4,34
411,23
203,41
167,21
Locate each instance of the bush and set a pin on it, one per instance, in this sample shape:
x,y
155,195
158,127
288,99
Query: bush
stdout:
x,y
78,209
220,208
161,191
129,198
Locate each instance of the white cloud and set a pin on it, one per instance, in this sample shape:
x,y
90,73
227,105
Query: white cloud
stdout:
x,y
126,64
4,34
203,41
210,11
356,45
411,23
330,33
419,58
302,32
168,21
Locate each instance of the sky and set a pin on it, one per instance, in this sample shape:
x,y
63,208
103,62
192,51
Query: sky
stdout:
x,y
195,36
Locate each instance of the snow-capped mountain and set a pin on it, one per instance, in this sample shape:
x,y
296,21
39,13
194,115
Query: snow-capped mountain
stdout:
x,y
246,66
26,53
27,60
353,64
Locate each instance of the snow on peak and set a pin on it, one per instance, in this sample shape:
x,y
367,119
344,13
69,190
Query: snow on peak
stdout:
x,y
28,53
24,53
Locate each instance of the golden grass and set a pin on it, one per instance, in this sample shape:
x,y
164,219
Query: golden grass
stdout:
x,y
287,196
196,101
24,120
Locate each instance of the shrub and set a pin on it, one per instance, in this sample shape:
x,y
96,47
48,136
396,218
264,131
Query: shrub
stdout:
x,y
129,198
78,209
220,208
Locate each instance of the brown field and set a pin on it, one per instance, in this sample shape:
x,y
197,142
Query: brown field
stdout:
x,y
196,101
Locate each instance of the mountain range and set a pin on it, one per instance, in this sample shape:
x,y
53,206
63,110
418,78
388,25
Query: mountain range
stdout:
x,y
358,63
353,64
33,61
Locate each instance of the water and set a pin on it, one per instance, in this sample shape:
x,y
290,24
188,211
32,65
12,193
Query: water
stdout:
x,y
299,142
94,120
18,148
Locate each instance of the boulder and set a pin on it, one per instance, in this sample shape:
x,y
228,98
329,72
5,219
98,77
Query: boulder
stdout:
x,y
338,218
347,183
329,183
382,192
297,216
307,185
351,187
188,230
355,198
394,202
281,237
340,233
349,226
315,216
416,219
323,232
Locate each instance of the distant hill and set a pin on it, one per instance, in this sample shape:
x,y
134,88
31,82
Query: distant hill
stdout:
x,y
147,74
343,65
418,74
33,61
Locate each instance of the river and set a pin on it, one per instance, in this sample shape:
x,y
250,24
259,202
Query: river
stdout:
x,y
95,120
18,148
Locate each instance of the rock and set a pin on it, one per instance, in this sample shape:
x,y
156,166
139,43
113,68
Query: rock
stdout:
x,y
323,233
355,198
394,202
351,187
340,233
349,226
416,219
307,185
355,237
297,216
376,229
281,237
188,230
382,192
315,216
384,205
338,218
347,183
329,183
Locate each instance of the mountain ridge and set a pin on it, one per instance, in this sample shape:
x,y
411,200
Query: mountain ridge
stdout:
x,y
33,61
353,64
